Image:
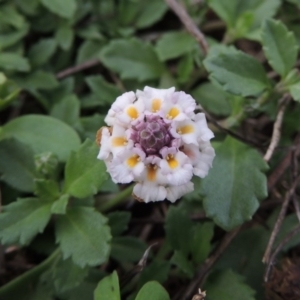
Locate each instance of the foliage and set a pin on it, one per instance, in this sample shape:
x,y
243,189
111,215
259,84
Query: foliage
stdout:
x,y
67,231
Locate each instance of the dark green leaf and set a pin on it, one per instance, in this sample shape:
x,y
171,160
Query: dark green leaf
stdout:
x,y
133,59
22,220
43,133
17,165
235,184
280,46
108,288
84,173
11,38
64,37
152,290
89,50
14,62
118,222
181,261
39,80
83,235
46,190
64,8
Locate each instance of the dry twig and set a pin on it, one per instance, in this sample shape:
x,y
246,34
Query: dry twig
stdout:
x,y
280,218
189,24
277,127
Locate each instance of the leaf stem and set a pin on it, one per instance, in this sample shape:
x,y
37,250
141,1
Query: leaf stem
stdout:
x,y
29,276
119,198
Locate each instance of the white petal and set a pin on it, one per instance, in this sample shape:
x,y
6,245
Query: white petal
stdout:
x,y
186,102
105,148
119,173
176,192
150,192
203,132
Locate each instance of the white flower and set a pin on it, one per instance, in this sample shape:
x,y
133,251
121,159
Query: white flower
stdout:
x,y
156,140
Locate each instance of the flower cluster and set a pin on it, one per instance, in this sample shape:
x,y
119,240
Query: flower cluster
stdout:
x,y
155,139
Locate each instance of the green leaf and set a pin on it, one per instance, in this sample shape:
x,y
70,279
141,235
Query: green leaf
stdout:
x,y
46,190
212,98
67,110
178,229
83,235
280,46
60,206
64,37
133,59
39,80
46,165
43,133
17,165
92,124
127,249
294,89
235,184
174,44
118,222
9,39
227,285
237,72
89,50
13,62
65,9
108,288
152,290
20,221
84,173
181,261
42,51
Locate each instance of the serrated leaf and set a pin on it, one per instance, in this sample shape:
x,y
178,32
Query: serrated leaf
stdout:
x,y
152,290
42,51
84,173
178,229
235,184
20,221
60,205
174,44
13,62
133,59
43,133
280,46
108,288
65,9
118,222
237,72
227,285
46,190
17,165
84,236
127,249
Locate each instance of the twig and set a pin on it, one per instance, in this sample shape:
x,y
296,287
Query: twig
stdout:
x,y
277,127
278,248
76,69
288,195
197,282
189,24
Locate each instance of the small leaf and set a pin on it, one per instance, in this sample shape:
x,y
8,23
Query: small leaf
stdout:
x,y
294,89
181,261
65,9
152,290
64,37
22,220
108,288
39,80
83,235
174,44
227,285
84,173
235,184
17,165
237,72
46,190
280,46
14,62
133,59
89,50
43,133
60,206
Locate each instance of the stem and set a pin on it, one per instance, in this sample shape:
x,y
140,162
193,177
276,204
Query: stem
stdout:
x,y
119,198
31,275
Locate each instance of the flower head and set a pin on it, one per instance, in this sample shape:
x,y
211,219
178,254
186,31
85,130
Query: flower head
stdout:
x,y
156,139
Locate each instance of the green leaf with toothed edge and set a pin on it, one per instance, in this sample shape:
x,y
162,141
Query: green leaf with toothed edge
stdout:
x,y
280,46
235,184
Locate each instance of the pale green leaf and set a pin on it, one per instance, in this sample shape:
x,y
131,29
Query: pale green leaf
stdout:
x,y
235,184
152,290
84,173
20,221
84,236
174,44
65,8
133,59
280,46
237,72
60,205
295,91
17,165
14,62
227,285
43,133
108,288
